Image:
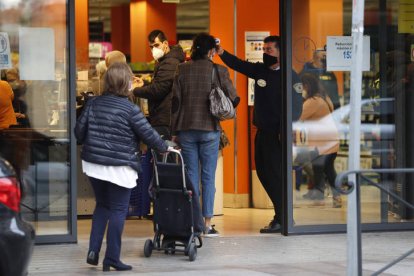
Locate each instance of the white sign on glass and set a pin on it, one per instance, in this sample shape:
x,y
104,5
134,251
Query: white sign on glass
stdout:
x,y
339,53
37,53
5,59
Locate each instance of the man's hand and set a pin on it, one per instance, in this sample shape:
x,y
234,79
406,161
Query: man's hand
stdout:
x,y
137,82
219,50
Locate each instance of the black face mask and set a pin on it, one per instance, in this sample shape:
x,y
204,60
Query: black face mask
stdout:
x,y
269,60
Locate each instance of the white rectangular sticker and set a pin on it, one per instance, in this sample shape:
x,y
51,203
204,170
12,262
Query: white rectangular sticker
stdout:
x,y
339,53
37,53
5,59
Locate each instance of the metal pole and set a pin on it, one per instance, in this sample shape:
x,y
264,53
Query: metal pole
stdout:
x,y
353,226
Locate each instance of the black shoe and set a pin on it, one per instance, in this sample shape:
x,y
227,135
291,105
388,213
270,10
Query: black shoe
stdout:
x,y
119,266
210,232
92,258
273,227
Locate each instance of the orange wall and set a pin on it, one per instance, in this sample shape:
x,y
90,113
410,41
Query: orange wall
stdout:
x,y
82,33
145,16
221,26
300,30
327,20
263,17
316,20
138,19
120,29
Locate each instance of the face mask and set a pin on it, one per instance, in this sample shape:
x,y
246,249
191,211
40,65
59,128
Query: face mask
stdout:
x,y
269,60
157,53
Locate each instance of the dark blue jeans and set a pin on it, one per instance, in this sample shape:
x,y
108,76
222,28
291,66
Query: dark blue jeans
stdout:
x,y
200,152
112,203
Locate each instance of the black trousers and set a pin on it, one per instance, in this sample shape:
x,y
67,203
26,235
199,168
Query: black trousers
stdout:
x,y
325,165
268,158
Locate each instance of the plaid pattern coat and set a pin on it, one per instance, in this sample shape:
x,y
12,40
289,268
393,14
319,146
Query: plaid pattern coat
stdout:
x,y
191,89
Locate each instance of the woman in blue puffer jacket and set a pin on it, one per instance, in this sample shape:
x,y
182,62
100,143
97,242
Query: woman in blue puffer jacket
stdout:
x,y
110,129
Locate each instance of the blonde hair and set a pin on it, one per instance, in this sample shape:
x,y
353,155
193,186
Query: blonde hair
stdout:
x,y
114,56
118,79
100,68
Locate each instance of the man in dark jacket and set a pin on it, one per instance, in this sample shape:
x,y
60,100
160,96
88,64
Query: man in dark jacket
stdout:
x,y
267,117
158,92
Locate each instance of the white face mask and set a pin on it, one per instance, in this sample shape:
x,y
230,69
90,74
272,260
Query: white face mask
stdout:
x,y
157,53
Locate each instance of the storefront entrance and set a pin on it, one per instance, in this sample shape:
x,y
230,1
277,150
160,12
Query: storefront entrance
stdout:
x,y
319,46
50,71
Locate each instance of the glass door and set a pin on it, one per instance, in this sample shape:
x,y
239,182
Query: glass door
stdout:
x,y
321,46
34,62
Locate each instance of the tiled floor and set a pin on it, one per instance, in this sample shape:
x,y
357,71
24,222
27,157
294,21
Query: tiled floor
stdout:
x,y
248,221
234,222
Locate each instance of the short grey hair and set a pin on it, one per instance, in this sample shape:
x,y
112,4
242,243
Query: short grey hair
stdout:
x,y
117,79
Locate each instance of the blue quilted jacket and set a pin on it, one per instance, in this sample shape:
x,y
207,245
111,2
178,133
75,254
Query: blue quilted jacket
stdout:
x,y
111,128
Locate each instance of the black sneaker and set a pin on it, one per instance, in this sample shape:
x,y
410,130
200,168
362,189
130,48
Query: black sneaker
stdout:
x,y
210,232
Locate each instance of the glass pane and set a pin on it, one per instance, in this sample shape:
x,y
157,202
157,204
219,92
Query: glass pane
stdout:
x,y
36,140
321,137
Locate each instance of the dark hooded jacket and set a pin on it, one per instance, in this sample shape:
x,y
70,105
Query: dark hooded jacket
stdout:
x,y
158,92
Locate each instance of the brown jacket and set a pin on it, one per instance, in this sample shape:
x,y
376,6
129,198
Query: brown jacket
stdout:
x,y
321,129
7,115
191,89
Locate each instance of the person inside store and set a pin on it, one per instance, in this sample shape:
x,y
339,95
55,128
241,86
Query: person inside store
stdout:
x,y
158,92
7,115
114,56
323,138
267,117
100,69
194,127
19,90
110,129
327,78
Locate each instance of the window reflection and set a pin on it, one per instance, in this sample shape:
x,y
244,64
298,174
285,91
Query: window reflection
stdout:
x,y
37,143
386,133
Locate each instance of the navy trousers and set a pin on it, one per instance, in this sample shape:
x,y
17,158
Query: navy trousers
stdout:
x,y
112,203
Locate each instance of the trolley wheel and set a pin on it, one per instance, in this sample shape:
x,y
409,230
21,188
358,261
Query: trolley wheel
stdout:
x,y
192,252
148,248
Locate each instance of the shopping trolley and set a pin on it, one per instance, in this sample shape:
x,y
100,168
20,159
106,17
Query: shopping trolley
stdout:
x,y
178,221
